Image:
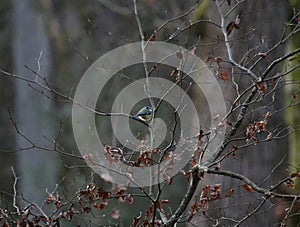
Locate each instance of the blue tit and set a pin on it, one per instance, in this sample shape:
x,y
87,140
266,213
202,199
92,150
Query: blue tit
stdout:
x,y
145,114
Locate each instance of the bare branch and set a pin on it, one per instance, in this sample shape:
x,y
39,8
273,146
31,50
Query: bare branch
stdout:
x,y
15,191
229,51
194,180
266,192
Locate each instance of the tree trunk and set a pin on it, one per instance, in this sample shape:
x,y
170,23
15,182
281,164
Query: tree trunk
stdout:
x,y
36,168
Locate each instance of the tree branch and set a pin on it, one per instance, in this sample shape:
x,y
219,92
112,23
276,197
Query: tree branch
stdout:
x,y
266,192
194,180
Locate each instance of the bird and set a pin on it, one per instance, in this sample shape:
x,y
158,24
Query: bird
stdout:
x,y
145,114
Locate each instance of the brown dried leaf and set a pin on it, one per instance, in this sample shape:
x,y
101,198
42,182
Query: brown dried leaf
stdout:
x,y
268,194
87,210
259,125
218,59
214,196
201,174
193,209
58,204
205,191
136,220
233,25
292,58
267,115
50,198
208,58
229,192
262,87
223,75
161,202
247,187
153,36
149,211
296,174
193,162
204,203
129,199
88,158
228,123
192,51
290,183
229,27
218,187
155,66
263,55
269,136
249,131
115,214
238,20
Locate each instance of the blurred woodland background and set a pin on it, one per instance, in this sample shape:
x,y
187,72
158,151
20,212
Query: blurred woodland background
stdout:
x,y
61,39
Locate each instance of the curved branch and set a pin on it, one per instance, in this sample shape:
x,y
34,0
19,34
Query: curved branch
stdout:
x,y
266,192
194,176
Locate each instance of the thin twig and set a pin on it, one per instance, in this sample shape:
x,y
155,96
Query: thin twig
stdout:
x,y
229,51
15,191
252,212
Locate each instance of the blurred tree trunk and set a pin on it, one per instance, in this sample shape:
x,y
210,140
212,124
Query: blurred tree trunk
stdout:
x,y
7,131
292,114
37,168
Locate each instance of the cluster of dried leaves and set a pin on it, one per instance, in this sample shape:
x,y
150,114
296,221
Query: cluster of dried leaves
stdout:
x,y
142,158
116,155
290,182
262,87
232,151
146,219
88,199
222,72
209,193
258,126
99,198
